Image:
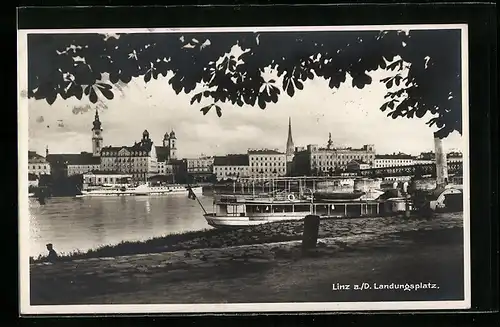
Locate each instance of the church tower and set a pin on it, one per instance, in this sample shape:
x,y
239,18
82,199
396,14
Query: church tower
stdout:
x,y
290,148
166,141
96,136
172,145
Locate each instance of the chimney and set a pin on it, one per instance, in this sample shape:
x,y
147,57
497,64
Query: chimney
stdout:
x,y
441,163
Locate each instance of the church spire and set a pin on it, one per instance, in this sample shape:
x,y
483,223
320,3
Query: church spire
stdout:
x,y
290,149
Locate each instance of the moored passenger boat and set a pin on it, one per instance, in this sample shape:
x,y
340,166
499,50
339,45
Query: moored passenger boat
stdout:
x,y
140,190
279,204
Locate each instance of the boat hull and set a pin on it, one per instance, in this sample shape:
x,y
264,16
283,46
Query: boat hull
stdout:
x,y
246,221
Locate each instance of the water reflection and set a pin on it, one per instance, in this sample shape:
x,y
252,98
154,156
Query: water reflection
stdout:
x,y
84,223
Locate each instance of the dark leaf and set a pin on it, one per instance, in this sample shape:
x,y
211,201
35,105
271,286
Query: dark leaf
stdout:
x,y
389,84
394,65
147,76
290,91
51,98
299,85
272,81
420,112
196,97
78,92
104,86
206,109
384,106
108,94
432,121
114,78
93,95
126,78
218,111
262,102
87,89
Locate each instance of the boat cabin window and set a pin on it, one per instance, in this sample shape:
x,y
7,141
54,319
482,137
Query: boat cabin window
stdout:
x,y
302,208
259,208
282,208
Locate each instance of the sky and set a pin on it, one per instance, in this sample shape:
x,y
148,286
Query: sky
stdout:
x,y
351,115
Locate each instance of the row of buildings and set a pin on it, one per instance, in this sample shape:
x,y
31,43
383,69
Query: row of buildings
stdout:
x,y
144,159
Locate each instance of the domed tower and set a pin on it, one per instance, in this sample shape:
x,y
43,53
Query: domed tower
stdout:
x,y
96,136
172,145
146,141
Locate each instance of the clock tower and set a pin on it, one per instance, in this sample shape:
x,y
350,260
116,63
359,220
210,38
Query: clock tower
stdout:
x,y
96,136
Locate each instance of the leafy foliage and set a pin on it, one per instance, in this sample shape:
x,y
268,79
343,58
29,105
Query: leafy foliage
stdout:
x,y
75,65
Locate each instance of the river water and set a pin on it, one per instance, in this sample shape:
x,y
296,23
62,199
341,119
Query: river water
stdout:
x,y
72,224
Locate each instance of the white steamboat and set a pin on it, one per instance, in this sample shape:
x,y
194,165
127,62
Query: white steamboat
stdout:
x,y
141,190
288,199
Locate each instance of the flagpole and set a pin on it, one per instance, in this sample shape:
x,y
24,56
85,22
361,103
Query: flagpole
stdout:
x,y
201,205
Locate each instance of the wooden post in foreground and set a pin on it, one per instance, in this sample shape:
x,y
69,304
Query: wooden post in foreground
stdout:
x,y
311,230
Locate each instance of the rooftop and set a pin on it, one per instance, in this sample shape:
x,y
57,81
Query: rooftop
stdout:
x,y
138,146
231,160
100,172
32,155
264,151
84,158
360,162
393,156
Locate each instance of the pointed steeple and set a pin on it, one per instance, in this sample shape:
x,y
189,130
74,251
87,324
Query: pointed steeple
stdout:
x,y
290,148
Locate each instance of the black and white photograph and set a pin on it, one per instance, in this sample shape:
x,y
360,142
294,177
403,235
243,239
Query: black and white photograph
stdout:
x,y
246,169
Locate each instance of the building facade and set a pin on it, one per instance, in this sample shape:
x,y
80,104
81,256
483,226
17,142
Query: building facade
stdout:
x,y
201,165
393,160
366,154
106,177
37,164
315,160
139,160
199,170
70,164
231,166
266,163
430,157
357,165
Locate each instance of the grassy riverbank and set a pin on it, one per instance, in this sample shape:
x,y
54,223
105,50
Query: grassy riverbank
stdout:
x,y
268,233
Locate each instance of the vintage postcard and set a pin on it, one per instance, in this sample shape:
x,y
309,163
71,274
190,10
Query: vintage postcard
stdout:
x,y
210,170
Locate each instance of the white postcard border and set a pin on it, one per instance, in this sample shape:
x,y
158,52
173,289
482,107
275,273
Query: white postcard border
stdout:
x,y
24,284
